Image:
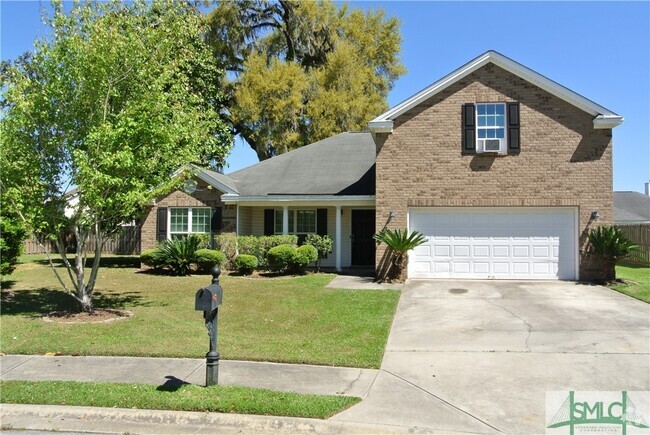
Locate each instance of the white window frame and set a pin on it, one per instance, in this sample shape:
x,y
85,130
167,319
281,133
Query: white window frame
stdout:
x,y
293,215
190,230
504,140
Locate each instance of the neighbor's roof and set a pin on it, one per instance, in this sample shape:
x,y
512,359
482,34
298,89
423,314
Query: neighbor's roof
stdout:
x,y
631,207
603,118
340,165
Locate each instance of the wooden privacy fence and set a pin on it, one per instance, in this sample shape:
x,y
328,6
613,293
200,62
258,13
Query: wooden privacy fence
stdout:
x,y
640,235
125,243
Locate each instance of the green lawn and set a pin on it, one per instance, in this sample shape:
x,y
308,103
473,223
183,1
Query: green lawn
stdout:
x,y
294,319
240,400
638,279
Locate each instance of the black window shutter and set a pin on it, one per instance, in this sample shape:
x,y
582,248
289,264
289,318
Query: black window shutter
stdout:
x,y
513,128
269,221
216,222
161,224
321,221
469,129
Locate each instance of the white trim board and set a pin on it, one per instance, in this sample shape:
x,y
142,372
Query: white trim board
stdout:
x,y
603,118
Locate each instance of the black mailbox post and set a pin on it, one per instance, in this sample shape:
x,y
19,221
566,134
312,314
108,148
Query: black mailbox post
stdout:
x,y
208,300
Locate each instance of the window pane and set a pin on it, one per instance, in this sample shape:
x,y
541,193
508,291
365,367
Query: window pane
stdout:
x,y
178,220
501,121
291,227
481,134
490,109
500,109
491,134
481,121
492,121
481,109
201,220
500,133
306,221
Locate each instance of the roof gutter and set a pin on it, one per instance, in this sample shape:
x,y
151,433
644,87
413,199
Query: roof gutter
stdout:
x,y
603,121
299,199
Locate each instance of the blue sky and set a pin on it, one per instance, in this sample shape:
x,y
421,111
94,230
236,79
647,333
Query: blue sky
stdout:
x,y
599,49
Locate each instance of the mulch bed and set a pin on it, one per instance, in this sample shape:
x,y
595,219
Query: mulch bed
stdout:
x,y
100,315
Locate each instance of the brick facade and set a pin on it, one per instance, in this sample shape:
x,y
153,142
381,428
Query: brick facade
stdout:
x,y
563,161
202,197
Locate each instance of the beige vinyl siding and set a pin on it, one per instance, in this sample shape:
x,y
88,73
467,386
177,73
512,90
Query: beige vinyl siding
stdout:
x,y
245,220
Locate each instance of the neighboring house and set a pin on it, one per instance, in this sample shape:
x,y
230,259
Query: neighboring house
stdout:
x,y
631,208
501,168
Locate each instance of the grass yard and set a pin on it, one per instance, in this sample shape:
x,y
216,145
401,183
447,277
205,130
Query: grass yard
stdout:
x,y
240,400
293,319
639,282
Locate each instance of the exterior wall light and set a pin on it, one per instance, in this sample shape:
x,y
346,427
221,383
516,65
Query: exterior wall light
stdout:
x,y
595,215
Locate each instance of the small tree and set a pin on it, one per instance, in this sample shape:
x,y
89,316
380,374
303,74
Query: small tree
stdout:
x,y
399,242
323,245
609,245
113,102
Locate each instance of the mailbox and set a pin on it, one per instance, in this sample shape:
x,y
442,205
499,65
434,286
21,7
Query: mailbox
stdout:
x,y
208,298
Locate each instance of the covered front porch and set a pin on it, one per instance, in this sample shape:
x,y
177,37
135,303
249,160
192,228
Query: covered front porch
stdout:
x,y
349,221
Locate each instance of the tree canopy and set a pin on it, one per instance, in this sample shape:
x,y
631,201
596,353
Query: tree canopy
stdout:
x,y
113,102
301,71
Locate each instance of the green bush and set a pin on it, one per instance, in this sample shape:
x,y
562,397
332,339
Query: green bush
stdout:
x,y
304,255
205,241
323,245
179,254
246,264
609,245
259,246
227,243
12,235
280,257
207,258
152,258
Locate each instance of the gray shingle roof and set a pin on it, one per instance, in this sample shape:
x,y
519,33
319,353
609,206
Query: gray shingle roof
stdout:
x,y
631,207
340,165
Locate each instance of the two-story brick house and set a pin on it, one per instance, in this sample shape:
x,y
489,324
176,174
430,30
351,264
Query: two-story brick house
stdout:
x,y
501,168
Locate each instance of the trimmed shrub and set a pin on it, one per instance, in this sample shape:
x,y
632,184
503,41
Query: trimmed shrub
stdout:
x,y
280,257
304,255
227,243
152,258
207,258
246,264
179,254
323,245
259,246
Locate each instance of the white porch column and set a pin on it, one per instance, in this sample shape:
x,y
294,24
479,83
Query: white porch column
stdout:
x,y
285,220
337,239
237,221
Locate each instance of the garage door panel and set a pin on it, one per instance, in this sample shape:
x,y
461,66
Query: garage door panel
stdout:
x,y
502,243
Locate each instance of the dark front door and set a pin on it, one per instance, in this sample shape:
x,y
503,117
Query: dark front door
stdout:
x,y
363,245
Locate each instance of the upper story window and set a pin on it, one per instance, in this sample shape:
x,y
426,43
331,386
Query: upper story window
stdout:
x,y
188,220
490,128
300,221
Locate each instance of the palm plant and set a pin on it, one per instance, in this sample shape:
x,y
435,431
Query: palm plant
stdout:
x,y
609,244
399,242
179,254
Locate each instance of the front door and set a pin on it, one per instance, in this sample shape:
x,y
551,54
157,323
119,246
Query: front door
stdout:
x,y
363,245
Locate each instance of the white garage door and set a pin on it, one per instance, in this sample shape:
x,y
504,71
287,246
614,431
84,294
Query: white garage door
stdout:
x,y
494,243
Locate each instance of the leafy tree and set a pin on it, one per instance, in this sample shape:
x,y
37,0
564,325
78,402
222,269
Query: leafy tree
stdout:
x,y
609,245
116,99
12,235
399,242
303,70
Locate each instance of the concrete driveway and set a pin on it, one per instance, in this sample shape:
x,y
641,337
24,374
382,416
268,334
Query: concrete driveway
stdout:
x,y
479,356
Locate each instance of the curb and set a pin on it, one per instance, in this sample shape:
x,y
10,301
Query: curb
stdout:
x,y
118,420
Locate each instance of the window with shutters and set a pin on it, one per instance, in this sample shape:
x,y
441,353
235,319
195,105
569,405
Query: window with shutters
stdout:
x,y
189,220
300,221
490,128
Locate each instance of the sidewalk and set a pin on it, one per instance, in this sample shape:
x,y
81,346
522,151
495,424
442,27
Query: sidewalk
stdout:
x,y
305,379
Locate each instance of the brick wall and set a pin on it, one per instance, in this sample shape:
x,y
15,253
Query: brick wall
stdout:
x,y
563,161
202,197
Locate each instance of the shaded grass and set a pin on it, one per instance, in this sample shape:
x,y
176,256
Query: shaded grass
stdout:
x,y
240,400
637,282
294,319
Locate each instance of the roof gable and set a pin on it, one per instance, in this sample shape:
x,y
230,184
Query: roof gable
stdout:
x,y
603,118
